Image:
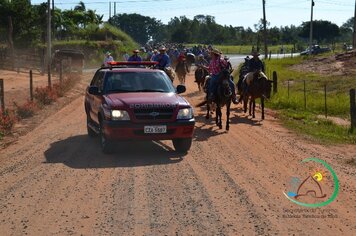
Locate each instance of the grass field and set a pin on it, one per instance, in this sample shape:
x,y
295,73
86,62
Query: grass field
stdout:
x,y
302,113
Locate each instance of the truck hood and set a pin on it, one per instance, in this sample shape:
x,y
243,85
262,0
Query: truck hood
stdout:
x,y
144,100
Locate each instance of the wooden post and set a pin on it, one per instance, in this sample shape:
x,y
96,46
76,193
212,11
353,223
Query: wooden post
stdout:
x,y
270,54
275,80
352,109
305,96
31,86
2,95
60,71
326,106
288,88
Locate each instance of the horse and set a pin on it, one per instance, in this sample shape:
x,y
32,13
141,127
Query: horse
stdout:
x,y
200,75
170,72
260,87
222,98
190,59
181,70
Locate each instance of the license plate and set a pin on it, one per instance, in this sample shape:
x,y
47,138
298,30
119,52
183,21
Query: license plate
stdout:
x,y
155,129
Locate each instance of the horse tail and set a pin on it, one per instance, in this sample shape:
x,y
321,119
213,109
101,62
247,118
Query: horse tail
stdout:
x,y
201,103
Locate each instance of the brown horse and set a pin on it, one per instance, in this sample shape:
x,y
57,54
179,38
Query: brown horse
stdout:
x,y
260,87
222,98
200,75
181,71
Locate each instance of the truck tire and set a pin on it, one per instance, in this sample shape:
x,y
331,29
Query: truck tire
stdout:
x,y
91,133
106,145
182,145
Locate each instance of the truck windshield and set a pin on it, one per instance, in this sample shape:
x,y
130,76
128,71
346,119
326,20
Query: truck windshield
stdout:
x,y
138,82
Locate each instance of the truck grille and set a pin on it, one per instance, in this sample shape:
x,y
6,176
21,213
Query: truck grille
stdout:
x,y
154,114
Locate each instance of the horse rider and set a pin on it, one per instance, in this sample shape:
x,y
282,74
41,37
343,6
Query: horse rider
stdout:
x,y
162,58
201,62
155,53
182,68
217,64
229,66
255,69
108,58
135,56
243,71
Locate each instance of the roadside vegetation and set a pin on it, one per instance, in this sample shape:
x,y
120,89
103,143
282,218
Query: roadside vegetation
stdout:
x,y
43,96
305,114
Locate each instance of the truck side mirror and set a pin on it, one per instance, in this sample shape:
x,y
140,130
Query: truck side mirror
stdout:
x,y
181,89
93,90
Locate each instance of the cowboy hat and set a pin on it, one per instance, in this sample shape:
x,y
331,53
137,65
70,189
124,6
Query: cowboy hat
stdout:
x,y
255,53
136,51
216,51
108,53
162,48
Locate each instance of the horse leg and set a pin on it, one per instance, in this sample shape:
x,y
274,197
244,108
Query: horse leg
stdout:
x,y
254,107
207,111
249,107
228,115
263,107
218,117
245,100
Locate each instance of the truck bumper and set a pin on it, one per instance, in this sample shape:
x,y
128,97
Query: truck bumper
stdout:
x,y
118,130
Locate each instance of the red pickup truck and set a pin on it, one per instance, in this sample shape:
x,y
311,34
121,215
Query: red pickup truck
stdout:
x,y
130,101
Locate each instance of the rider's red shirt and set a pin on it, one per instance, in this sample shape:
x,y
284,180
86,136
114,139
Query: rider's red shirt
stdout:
x,y
215,66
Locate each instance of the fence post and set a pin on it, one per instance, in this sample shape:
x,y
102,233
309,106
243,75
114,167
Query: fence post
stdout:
x,y
275,80
31,86
270,54
352,109
60,71
288,89
326,106
2,95
305,96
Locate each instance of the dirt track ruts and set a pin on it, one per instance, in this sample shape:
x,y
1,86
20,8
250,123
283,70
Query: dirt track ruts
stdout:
x,y
55,181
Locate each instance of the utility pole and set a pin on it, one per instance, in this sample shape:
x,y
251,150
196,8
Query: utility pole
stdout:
x,y
354,35
109,10
265,28
114,8
311,28
49,45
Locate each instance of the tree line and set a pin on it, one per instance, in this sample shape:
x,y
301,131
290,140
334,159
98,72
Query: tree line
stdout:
x,y
23,24
204,29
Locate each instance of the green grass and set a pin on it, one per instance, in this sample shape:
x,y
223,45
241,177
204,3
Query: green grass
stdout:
x,y
337,89
303,119
321,130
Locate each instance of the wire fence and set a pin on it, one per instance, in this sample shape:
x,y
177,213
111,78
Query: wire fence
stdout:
x,y
317,96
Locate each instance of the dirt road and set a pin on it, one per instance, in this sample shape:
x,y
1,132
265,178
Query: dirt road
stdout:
x,y
56,181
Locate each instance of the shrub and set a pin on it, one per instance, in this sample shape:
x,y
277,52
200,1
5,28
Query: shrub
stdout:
x,y
7,121
45,95
26,110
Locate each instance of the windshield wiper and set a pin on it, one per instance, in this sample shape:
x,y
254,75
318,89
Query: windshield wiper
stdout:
x,y
119,91
150,90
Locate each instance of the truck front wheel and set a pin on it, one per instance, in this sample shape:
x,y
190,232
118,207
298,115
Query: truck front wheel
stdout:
x,y
182,145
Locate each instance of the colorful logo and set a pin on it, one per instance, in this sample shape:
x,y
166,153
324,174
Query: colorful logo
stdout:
x,y
316,188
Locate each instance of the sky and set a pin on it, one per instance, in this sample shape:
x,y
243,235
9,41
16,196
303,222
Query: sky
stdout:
x,y
244,13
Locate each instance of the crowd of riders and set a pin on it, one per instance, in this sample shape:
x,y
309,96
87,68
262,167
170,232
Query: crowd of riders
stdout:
x,y
179,58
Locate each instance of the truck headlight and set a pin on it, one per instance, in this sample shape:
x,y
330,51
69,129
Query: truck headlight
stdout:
x,y
119,115
185,114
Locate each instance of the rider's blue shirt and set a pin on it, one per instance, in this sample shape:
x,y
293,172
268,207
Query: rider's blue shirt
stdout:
x,y
163,60
135,58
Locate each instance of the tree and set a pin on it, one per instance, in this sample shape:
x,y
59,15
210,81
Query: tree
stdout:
x,y
140,28
323,31
346,30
